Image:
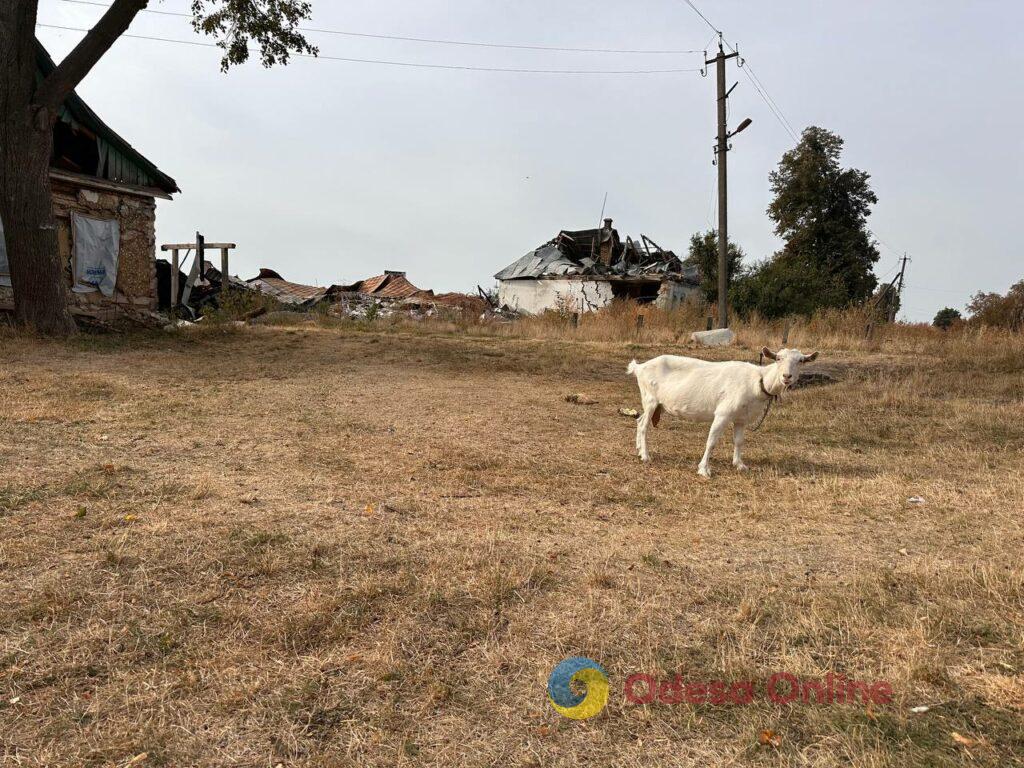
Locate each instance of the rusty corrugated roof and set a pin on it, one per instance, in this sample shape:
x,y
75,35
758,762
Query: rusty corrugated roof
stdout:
x,y
390,285
270,282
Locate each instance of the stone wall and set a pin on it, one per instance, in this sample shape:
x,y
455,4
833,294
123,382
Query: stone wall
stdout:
x,y
136,214
136,268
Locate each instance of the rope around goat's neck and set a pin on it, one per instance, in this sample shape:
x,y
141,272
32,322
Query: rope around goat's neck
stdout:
x,y
767,406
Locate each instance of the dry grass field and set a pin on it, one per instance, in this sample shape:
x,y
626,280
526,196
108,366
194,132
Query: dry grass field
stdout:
x,y
333,546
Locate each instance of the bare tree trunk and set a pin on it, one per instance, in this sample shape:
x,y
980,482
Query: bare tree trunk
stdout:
x,y
37,274
26,142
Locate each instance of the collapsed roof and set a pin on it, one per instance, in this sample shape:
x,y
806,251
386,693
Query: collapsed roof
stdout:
x,y
390,285
600,253
270,282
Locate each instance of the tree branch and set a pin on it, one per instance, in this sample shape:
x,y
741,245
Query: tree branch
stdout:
x,y
76,65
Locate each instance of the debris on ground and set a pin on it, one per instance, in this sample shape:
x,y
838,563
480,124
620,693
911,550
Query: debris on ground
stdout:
x,y
381,296
178,324
720,337
633,413
580,399
770,738
915,500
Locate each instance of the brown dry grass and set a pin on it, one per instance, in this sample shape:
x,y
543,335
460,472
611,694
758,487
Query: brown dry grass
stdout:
x,y
330,546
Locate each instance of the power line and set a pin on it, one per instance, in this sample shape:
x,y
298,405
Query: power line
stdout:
x,y
755,81
436,41
696,10
408,63
772,105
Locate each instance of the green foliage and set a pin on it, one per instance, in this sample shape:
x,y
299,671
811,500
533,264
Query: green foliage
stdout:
x,y
272,25
1000,311
945,317
704,254
820,209
780,287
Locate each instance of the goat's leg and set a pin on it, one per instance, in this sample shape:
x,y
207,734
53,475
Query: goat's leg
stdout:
x,y
641,430
737,447
717,428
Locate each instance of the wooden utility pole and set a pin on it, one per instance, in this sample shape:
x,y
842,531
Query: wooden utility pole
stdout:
x,y
894,302
721,151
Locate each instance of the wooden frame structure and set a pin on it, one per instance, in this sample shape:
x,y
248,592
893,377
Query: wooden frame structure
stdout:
x,y
200,246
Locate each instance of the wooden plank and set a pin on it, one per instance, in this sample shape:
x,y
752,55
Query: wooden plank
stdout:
x,y
109,186
187,246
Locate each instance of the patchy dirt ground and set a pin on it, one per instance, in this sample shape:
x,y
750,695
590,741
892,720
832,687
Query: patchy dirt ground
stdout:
x,y
313,547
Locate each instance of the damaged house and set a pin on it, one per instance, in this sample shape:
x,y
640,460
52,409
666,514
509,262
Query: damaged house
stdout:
x,y
588,269
104,202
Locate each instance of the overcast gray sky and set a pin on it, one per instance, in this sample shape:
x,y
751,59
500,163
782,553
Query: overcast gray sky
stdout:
x,y
331,171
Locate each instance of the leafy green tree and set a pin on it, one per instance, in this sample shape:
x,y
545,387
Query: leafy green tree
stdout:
x,y
820,210
945,317
779,287
704,254
29,107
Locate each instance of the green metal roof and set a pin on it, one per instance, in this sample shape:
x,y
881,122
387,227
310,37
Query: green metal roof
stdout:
x,y
118,160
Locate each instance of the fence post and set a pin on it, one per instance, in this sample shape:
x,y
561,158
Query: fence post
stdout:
x,y
575,319
711,323
785,334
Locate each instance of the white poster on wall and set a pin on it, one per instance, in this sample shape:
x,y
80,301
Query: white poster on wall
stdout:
x,y
5,270
97,245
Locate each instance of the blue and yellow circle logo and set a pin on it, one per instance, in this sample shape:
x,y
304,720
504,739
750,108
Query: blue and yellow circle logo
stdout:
x,y
585,671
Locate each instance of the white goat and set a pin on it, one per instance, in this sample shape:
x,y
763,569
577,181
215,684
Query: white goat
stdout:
x,y
723,393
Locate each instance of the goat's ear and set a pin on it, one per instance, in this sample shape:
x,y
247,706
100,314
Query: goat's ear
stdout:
x,y
811,357
768,353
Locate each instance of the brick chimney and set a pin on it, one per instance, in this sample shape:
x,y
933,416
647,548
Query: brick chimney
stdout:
x,y
606,242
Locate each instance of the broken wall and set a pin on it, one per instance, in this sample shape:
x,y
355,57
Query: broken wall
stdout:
x,y
672,294
535,296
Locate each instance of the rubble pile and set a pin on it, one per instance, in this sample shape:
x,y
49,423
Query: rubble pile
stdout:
x,y
381,296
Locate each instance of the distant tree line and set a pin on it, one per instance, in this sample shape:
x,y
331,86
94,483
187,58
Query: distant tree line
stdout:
x,y
820,211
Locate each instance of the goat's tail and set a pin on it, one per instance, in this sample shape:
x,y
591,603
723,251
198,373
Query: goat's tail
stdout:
x,y
631,368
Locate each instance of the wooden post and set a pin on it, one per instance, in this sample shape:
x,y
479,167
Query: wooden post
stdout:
x,y
639,323
174,278
200,258
575,319
711,323
785,334
225,280
867,331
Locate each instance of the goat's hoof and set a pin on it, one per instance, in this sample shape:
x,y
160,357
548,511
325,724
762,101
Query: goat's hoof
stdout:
x,y
645,459
741,467
704,472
